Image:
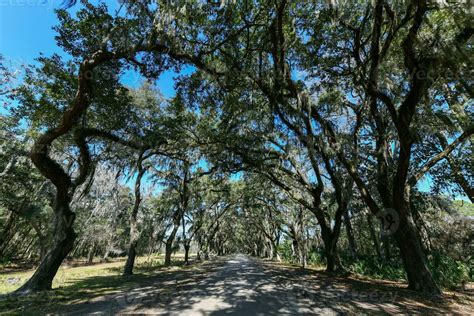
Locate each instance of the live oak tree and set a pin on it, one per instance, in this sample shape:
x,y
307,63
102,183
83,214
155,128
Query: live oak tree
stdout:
x,y
342,109
276,40
62,94
387,36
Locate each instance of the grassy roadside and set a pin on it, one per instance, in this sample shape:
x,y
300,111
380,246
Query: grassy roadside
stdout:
x,y
78,284
404,301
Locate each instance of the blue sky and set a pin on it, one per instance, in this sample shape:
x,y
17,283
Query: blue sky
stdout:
x,y
26,31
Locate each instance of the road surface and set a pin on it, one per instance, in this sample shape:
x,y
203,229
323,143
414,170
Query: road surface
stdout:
x,y
240,285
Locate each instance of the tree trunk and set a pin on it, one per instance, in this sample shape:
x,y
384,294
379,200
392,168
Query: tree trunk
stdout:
x,y
220,249
373,236
275,255
64,235
108,248
271,250
187,246
350,235
186,242
179,213
407,236
330,250
132,254
63,243
168,249
386,247
90,255
331,236
106,254
302,254
295,247
169,245
43,250
414,260
277,246
134,234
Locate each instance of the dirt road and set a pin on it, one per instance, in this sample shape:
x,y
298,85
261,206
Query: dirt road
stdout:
x,y
239,285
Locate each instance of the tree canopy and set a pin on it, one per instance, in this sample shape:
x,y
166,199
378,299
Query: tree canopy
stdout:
x,y
310,132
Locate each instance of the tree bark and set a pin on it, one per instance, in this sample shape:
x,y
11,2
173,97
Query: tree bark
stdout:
x,y
90,255
270,250
186,243
408,239
373,236
386,247
187,246
350,236
169,245
414,260
63,243
330,249
107,253
134,234
183,204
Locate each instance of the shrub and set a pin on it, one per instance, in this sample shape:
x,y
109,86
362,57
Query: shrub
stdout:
x,y
448,272
285,251
370,266
316,257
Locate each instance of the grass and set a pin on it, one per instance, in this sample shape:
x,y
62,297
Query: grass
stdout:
x,y
464,207
77,284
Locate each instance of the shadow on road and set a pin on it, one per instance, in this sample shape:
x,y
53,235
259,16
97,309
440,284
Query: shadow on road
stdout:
x,y
245,286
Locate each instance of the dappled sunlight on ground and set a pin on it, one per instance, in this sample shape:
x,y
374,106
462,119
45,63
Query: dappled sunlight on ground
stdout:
x,y
239,285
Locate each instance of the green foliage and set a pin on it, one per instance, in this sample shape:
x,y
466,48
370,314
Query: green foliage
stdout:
x,y
449,272
370,266
285,251
316,257
464,207
5,260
